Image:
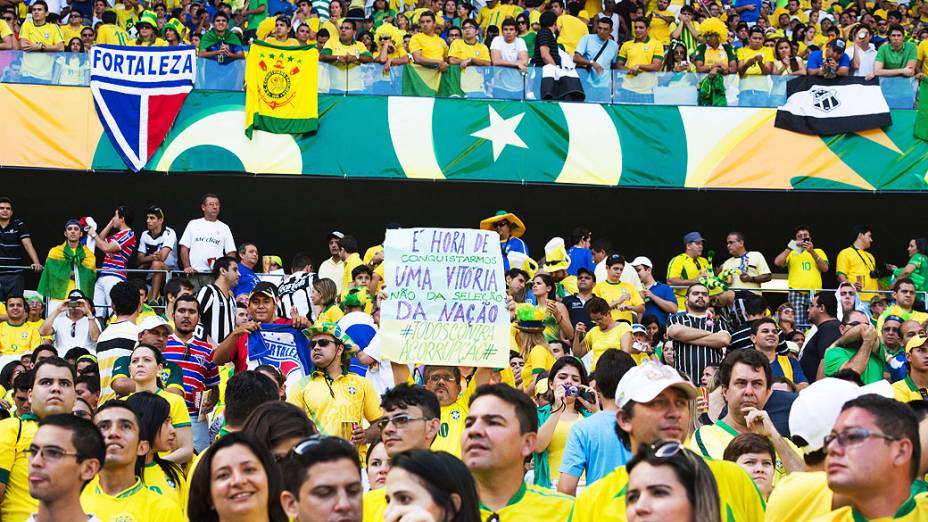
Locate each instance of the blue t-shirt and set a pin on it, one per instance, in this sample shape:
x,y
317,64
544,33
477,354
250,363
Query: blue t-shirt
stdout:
x,y
246,281
816,60
748,15
664,292
896,367
580,258
513,244
798,375
593,447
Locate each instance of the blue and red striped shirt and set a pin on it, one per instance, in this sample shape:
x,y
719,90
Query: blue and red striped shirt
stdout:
x,y
115,264
195,359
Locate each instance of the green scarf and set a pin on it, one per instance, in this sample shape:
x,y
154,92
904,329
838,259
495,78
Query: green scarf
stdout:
x,y
712,91
60,266
210,38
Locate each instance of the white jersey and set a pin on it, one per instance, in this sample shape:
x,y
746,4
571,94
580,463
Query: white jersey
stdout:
x,y
295,290
148,245
217,314
207,241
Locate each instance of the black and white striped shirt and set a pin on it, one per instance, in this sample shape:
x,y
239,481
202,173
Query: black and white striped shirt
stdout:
x,y
11,245
692,359
296,290
217,314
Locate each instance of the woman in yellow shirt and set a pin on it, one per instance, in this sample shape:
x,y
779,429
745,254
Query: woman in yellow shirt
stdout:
x,y
323,298
147,26
572,399
156,428
556,322
533,346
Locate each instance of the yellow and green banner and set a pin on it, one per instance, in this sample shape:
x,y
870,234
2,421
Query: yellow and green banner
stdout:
x,y
478,140
281,89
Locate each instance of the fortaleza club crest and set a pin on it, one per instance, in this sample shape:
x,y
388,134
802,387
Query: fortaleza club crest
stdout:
x,y
138,92
279,73
824,99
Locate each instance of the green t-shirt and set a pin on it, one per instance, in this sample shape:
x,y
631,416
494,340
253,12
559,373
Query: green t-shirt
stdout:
x,y
920,275
255,19
892,59
837,356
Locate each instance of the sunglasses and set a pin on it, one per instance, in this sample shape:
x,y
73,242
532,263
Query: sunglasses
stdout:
x,y
322,343
855,437
314,440
399,421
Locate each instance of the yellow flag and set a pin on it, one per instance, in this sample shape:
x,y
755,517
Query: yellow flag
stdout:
x,y
281,91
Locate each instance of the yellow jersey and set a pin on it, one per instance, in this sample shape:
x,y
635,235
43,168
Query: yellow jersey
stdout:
x,y
126,16
613,292
856,265
157,43
17,340
604,501
180,416
111,34
375,503
532,503
800,496
685,267
923,55
138,503
68,32
452,422
905,315
710,441
598,341
463,50
488,16
15,438
660,29
746,53
540,359
570,30
431,47
47,33
803,272
357,48
915,509
334,405
331,314
159,482
906,390
5,29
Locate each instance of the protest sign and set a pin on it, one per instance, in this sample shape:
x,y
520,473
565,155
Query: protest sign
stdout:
x,y
446,299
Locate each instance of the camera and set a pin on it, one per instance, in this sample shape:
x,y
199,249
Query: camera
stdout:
x,y
581,393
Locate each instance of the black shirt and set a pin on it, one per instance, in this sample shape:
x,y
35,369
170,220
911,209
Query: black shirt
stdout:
x,y
545,37
576,310
11,246
814,350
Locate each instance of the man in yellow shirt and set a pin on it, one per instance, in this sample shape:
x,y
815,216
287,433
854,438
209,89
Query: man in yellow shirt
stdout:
x,y
805,265
686,269
73,28
346,54
623,298
427,48
52,393
653,405
661,19
492,14
410,421
111,34
745,377
66,453
348,245
117,493
17,336
754,62
873,461
37,35
500,432
469,51
857,266
570,28
336,400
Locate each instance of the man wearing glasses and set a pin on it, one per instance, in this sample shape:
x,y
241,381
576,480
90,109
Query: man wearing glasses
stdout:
x,y
445,383
510,229
52,392
66,453
875,437
410,421
77,327
857,349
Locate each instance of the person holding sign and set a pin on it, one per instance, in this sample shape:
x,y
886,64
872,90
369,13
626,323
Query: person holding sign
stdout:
x,y
336,400
556,319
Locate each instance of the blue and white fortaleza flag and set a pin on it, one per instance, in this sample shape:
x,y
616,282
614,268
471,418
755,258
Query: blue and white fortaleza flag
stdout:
x,y
282,346
138,92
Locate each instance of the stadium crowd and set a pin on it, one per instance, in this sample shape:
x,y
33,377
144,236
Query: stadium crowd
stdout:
x,y
138,395
737,45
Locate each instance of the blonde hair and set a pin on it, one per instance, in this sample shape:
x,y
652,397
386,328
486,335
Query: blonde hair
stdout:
x,y
529,340
327,290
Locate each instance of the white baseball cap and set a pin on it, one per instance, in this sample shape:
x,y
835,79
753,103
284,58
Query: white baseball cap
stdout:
x,y
154,321
815,411
641,260
645,382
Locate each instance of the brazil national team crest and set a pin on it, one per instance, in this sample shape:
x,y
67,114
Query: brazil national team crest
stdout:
x,y
138,92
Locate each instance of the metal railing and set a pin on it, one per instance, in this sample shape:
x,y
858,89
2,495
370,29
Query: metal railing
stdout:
x,y
493,83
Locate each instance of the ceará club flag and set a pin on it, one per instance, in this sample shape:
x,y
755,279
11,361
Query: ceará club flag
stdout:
x,y
138,92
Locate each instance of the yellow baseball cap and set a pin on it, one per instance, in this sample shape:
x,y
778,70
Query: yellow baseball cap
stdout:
x,y
915,342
